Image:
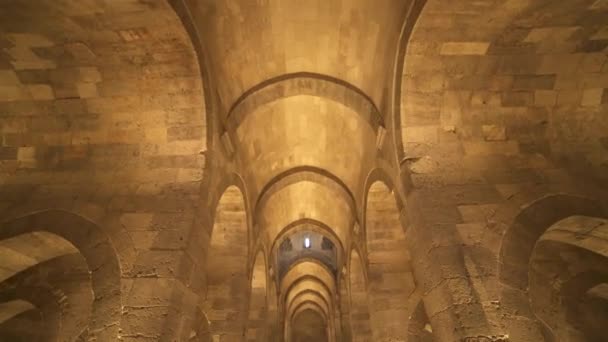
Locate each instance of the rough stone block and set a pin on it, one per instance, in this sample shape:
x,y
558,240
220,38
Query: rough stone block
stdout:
x,y
87,90
558,33
424,134
569,97
464,48
41,91
517,98
8,78
495,147
545,98
137,221
592,97
90,75
531,82
494,133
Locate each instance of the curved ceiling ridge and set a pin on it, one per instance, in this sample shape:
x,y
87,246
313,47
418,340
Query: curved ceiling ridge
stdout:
x,y
305,83
304,173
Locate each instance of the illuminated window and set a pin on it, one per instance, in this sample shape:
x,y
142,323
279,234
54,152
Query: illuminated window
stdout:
x,y
306,242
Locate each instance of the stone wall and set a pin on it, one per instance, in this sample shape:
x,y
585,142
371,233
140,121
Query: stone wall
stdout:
x,y
102,115
503,104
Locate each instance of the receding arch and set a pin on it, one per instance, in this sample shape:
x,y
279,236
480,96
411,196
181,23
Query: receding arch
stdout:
x,y
300,173
568,261
391,281
100,257
307,278
517,248
258,301
528,226
305,83
292,303
60,289
359,306
26,250
308,297
227,274
309,326
304,267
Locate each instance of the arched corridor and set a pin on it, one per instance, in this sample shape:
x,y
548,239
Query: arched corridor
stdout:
x,y
289,171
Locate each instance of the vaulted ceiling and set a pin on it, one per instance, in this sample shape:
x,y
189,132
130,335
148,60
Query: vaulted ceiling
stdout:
x,y
300,92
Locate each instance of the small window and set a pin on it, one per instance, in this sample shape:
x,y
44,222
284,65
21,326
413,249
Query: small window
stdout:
x,y
307,242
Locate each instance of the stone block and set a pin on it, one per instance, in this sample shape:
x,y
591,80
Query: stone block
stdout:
x,y
558,33
420,134
30,40
13,93
519,65
569,97
26,153
9,78
517,98
464,48
563,64
494,133
86,90
41,91
545,98
488,148
593,62
89,75
592,97
137,221
532,82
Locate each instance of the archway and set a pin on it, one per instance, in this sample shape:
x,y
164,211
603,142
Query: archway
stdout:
x,y
568,269
86,238
359,309
228,287
309,326
518,248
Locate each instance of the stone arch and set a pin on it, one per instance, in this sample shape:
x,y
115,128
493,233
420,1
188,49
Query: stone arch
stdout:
x,y
390,277
100,257
60,289
359,307
309,330
528,226
305,172
22,321
407,29
227,275
568,261
516,252
258,300
305,83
